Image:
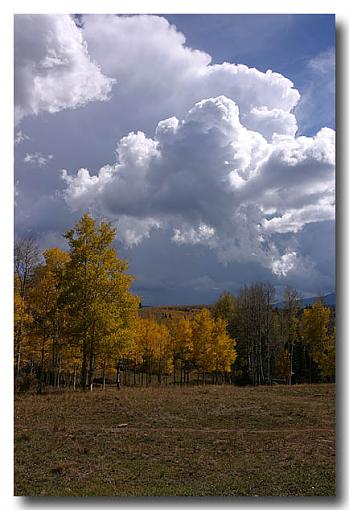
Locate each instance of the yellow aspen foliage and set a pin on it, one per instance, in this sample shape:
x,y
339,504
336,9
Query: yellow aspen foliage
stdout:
x,y
42,302
153,346
43,298
223,347
182,345
22,322
318,338
202,327
225,308
136,348
101,309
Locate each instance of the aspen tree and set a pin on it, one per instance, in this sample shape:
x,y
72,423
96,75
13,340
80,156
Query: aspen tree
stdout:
x,y
154,347
318,338
202,327
97,295
182,346
291,306
223,347
26,258
225,308
22,321
56,261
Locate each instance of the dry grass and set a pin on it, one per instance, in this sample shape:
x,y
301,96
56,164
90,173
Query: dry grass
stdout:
x,y
197,441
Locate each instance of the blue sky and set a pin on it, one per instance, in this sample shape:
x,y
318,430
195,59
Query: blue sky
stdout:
x,y
215,174
284,43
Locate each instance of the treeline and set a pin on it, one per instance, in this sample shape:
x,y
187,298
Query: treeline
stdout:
x,y
289,345
77,324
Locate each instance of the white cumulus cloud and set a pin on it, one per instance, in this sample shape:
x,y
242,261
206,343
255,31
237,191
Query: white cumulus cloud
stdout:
x,y
215,183
53,69
284,265
160,76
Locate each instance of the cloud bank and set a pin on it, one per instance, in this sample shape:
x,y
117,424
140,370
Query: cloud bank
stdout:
x,y
216,183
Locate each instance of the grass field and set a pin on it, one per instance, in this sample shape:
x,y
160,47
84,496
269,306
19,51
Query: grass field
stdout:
x,y
171,441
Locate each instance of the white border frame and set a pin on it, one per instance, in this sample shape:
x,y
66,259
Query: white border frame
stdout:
x,y
337,7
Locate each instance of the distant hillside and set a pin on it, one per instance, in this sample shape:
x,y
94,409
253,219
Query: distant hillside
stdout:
x,y
169,312
329,299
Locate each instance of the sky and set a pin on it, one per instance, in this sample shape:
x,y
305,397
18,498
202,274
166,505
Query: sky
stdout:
x,y
207,140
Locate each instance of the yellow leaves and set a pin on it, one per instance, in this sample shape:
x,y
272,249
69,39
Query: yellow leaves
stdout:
x,y
223,350
181,332
315,323
21,315
320,341
82,314
102,312
153,346
56,259
213,349
200,342
202,326
22,323
224,307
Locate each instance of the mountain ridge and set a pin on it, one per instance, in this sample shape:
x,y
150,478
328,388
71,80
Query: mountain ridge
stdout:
x,y
329,300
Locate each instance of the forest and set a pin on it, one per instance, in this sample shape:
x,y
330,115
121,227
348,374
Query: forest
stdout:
x,y
78,325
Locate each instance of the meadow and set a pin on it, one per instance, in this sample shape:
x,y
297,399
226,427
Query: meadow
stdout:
x,y
208,440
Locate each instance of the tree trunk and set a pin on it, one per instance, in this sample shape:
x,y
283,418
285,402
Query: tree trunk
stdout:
x,y
309,368
104,375
92,358
59,372
91,371
118,375
290,365
84,364
19,360
42,361
149,373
